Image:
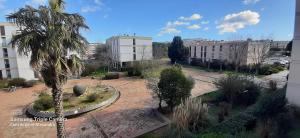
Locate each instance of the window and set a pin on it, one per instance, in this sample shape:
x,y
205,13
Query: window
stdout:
x,y
2,30
213,48
213,56
134,56
133,41
3,41
5,53
195,49
134,49
201,54
205,48
221,48
201,48
6,63
8,74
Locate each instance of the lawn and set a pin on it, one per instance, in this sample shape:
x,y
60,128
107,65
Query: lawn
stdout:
x,y
92,95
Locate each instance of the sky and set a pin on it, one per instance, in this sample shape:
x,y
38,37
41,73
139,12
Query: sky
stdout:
x,y
164,19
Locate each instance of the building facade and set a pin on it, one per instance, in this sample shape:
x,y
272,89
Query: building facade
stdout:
x,y
235,52
293,87
13,65
125,49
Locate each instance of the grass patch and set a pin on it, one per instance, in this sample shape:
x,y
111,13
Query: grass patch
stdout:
x,y
99,73
71,101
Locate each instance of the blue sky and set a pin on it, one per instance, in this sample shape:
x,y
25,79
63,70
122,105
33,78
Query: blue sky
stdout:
x,y
163,19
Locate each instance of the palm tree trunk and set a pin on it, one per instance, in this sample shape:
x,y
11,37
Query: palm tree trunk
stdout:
x,y
58,105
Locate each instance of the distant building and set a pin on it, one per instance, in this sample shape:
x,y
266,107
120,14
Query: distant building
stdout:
x,y
13,65
91,51
244,52
293,87
280,45
125,49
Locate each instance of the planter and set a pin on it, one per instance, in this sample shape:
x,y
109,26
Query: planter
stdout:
x,y
31,112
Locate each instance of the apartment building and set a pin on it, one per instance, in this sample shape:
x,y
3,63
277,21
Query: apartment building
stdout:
x,y
241,52
125,49
12,65
293,87
91,51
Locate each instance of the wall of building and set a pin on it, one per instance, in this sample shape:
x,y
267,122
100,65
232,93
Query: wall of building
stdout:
x,y
122,48
293,89
18,65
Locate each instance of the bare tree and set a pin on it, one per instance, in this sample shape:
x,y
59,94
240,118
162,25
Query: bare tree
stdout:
x,y
103,57
153,85
238,53
260,53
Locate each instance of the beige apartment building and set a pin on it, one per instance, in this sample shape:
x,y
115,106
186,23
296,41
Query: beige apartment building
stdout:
x,y
235,52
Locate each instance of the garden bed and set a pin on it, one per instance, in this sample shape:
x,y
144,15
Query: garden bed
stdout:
x,y
106,95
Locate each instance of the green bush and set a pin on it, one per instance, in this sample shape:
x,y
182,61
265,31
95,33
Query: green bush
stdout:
x,y
30,83
174,86
112,75
270,69
79,90
18,82
3,84
238,89
92,97
250,94
271,104
43,103
134,72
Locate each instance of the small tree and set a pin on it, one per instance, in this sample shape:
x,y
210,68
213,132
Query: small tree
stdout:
x,y
177,51
174,86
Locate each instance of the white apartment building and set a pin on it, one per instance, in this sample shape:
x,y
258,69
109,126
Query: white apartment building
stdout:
x,y
243,52
293,87
12,65
91,51
125,49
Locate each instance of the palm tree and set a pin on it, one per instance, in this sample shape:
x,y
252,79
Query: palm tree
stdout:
x,y
46,34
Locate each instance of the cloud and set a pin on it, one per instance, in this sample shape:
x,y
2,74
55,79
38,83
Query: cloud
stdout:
x,y
166,30
194,27
205,22
36,2
233,22
97,5
170,27
246,2
195,16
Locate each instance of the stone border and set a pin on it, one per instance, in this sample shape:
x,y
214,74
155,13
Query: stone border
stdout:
x,y
74,112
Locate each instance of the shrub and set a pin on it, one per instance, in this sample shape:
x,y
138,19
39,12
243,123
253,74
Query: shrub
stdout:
x,y
112,75
271,104
43,103
190,115
250,94
18,82
3,84
89,69
79,90
238,89
273,85
30,83
174,86
92,97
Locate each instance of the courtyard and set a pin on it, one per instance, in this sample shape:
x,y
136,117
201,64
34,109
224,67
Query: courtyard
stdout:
x,y
131,115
